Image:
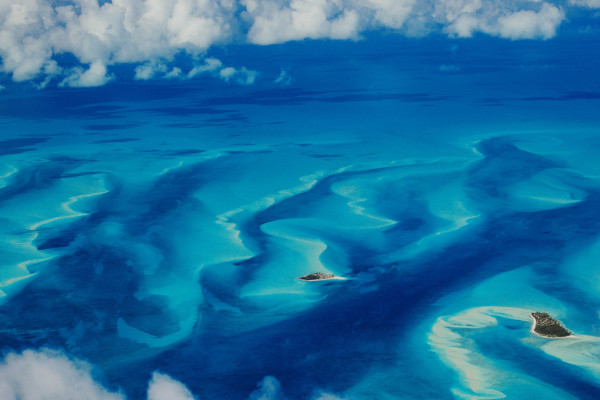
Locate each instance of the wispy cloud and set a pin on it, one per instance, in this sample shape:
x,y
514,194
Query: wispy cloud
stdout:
x,y
283,79
211,66
267,389
586,3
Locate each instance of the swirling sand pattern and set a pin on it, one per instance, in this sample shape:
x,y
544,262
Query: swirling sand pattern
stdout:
x,y
191,260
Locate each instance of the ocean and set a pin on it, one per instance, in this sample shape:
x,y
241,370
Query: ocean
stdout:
x,y
154,231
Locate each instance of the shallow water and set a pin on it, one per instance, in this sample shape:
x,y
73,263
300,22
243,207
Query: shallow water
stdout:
x,y
164,230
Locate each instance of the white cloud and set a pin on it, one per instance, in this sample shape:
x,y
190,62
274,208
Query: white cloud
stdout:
x,y
95,75
530,24
268,389
243,76
209,65
451,10
151,32
33,32
51,375
326,396
48,375
391,13
213,66
586,3
283,79
174,73
163,387
149,70
274,22
464,26
227,73
533,20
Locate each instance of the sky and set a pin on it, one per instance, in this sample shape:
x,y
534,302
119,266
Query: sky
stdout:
x,y
80,43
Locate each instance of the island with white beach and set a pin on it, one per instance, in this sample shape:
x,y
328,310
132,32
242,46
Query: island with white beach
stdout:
x,y
546,326
319,276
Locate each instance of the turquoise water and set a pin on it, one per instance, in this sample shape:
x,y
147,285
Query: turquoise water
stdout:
x,y
155,230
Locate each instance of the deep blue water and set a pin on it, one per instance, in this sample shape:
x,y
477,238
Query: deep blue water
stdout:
x,y
161,225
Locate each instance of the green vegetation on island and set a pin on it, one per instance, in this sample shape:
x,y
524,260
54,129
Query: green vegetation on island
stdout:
x,y
317,276
545,325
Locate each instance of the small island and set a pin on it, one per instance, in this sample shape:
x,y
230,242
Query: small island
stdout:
x,y
318,276
546,326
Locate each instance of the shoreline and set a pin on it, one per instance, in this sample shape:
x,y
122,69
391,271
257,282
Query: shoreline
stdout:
x,y
534,325
335,278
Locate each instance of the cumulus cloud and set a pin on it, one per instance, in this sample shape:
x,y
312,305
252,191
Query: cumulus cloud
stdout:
x,y
277,22
48,375
95,75
149,70
34,32
391,13
149,33
163,387
537,20
530,24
